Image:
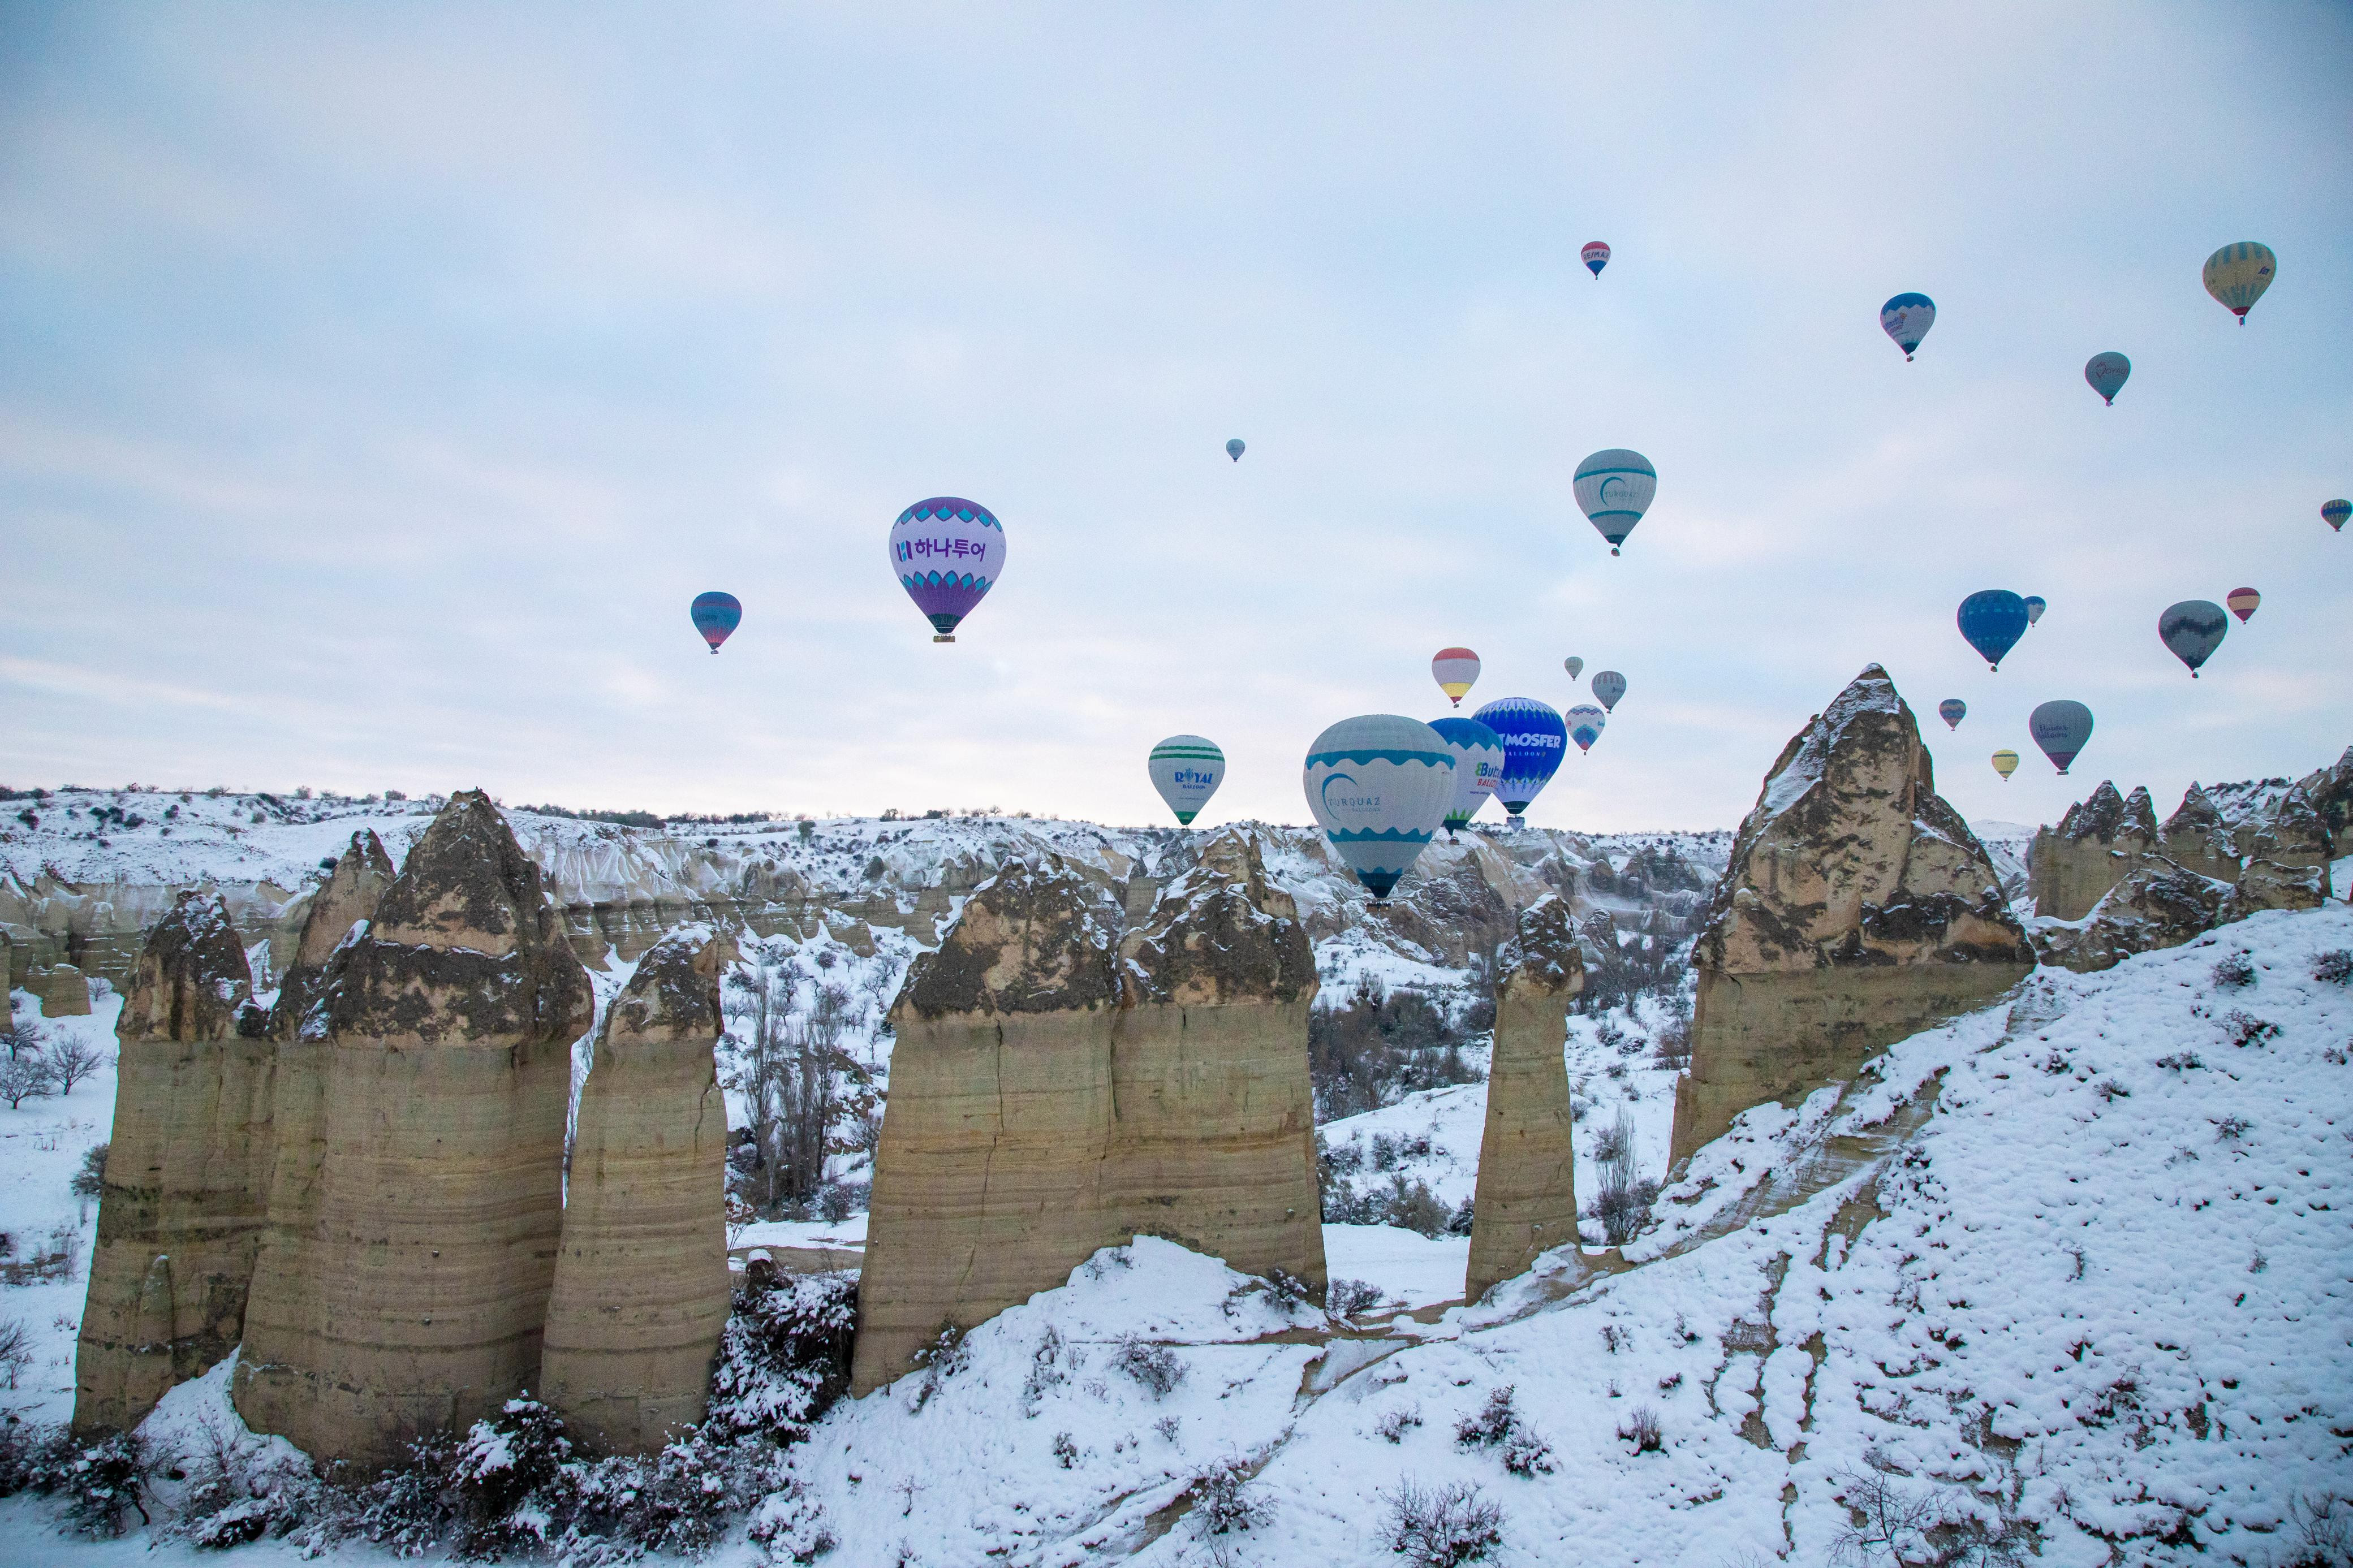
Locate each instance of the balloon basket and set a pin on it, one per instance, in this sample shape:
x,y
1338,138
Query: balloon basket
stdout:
x,y
944,637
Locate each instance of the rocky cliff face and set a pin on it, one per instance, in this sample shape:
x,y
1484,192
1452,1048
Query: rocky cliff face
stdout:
x,y
1526,1203
1858,908
2286,860
642,1289
2160,905
2096,846
180,1211
414,1295
2196,838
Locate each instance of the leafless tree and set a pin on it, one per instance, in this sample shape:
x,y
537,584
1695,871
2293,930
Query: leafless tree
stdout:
x,y
24,1076
791,1078
72,1060
15,1350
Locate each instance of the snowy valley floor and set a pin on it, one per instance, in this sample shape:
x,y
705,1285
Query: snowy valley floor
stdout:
x,y
2066,1277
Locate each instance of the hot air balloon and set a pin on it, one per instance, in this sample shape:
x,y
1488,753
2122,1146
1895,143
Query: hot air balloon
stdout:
x,y
2238,274
1534,740
1952,710
2334,512
1586,723
2107,373
1615,488
1186,771
1380,785
2005,762
948,552
1456,670
1595,254
2242,602
1907,318
2034,607
2061,729
1234,448
1574,665
1993,621
1609,686
1478,766
2193,629
715,615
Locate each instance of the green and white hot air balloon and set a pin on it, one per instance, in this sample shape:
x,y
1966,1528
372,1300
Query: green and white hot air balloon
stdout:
x,y
1186,771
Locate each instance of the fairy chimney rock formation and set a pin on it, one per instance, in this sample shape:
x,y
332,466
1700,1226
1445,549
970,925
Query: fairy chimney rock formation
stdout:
x,y
2096,846
361,875
2287,861
180,1213
642,1289
2196,838
2161,904
1857,909
1526,1199
412,1296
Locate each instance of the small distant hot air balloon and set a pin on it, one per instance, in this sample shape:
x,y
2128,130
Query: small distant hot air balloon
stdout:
x,y
1234,448
1186,771
1534,740
948,553
715,616
1574,665
1615,488
2005,762
2238,274
2334,512
1586,723
2107,373
1609,686
2034,607
1380,785
1993,621
1952,710
1456,670
1596,255
2062,729
2193,629
1907,318
1478,766
2242,602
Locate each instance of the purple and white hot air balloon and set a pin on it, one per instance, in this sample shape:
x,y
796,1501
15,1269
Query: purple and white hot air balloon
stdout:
x,y
948,553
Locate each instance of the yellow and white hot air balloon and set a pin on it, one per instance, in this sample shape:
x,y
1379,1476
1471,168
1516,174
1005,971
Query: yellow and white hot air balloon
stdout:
x,y
2005,762
2238,274
1456,670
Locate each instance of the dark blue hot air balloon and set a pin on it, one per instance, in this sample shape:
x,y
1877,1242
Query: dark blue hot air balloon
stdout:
x,y
1993,621
715,616
1234,448
1534,740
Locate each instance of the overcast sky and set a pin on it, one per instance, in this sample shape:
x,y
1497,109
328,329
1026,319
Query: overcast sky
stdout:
x,y
378,384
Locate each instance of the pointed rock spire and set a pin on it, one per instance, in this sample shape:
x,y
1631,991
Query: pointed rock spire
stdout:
x,y
1526,1203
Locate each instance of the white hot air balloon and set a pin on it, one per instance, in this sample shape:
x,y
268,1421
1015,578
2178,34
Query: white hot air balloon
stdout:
x,y
1380,785
1574,665
1610,687
1186,771
1614,488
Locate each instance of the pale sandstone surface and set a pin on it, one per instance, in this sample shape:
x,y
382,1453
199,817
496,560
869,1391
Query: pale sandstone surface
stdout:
x,y
1857,909
2287,854
1525,1202
180,1209
2160,905
413,1297
2196,838
641,1288
63,989
2096,844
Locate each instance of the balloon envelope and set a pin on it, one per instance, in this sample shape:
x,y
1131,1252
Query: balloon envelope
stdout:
x,y
1574,665
2242,602
2034,607
715,616
1906,318
1380,785
2193,629
948,552
2334,513
1952,710
2238,274
1478,765
1456,670
2061,729
1596,255
1534,740
1609,686
1186,771
1234,448
1614,487
2107,373
2005,762
1586,723
1993,621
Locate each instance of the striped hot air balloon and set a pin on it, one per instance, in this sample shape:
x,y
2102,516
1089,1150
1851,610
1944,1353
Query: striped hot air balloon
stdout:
x,y
1186,771
1615,488
1380,785
2005,762
1478,766
1596,255
1534,742
2238,274
1456,670
1952,710
947,553
2242,602
2334,512
716,616
2193,629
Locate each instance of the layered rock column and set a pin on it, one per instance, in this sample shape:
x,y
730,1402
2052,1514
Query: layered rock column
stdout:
x,y
180,1211
641,1287
2096,846
2287,861
413,1299
2195,839
1857,909
1526,1203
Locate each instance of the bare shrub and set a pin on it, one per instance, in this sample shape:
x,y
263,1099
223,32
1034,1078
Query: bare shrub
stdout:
x,y
1346,1298
1156,1367
1642,1430
2235,972
1394,1423
1498,1425
2335,968
2245,1029
1625,1199
1224,1500
1442,1528
17,1351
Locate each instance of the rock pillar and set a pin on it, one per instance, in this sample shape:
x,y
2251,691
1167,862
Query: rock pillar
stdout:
x,y
2096,846
1525,1202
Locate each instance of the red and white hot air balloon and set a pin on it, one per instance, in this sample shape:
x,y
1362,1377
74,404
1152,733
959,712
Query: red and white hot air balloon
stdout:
x,y
1595,254
2242,602
1456,670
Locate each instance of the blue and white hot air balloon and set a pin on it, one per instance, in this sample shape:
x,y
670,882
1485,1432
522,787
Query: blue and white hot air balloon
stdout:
x,y
1586,723
1380,785
1186,771
1478,766
1610,687
1614,488
1534,740
1907,318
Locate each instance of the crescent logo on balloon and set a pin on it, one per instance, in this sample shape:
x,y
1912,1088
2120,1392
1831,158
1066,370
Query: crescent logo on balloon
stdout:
x,y
1347,803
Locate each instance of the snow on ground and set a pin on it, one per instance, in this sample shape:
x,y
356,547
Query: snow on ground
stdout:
x,y
1408,1268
